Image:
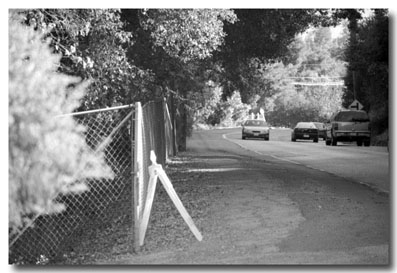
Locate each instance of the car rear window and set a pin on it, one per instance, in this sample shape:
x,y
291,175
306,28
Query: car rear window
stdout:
x,y
319,125
305,125
255,123
351,116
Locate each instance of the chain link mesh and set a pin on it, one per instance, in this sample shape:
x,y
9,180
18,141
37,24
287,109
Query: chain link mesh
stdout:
x,y
109,132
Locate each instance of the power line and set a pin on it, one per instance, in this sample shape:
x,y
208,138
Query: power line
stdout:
x,y
339,83
324,77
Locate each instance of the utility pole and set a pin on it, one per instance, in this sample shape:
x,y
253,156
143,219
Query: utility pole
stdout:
x,y
353,16
354,85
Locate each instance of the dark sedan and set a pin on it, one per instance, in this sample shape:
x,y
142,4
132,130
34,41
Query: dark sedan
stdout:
x,y
305,130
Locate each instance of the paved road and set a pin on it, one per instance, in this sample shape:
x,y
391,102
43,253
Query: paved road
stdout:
x,y
307,196
365,165
272,203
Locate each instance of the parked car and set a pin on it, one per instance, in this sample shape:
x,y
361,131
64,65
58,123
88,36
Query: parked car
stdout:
x,y
321,129
255,128
305,130
348,126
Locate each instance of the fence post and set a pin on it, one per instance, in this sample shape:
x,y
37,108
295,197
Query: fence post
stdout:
x,y
168,131
138,174
173,122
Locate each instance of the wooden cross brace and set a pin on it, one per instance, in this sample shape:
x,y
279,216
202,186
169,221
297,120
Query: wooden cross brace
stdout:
x,y
156,171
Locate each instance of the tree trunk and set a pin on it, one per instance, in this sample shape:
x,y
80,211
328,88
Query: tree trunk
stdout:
x,y
173,121
181,127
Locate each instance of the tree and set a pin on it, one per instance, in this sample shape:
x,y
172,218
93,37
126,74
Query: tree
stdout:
x,y
317,60
130,53
93,45
224,113
206,104
368,77
235,110
302,90
264,34
187,34
45,152
175,45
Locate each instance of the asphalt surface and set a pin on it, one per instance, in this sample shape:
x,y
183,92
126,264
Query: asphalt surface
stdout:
x,y
365,165
334,200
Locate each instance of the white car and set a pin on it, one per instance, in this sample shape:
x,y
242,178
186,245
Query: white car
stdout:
x,y
255,128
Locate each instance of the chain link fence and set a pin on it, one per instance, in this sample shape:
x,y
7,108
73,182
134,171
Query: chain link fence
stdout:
x,y
108,132
112,132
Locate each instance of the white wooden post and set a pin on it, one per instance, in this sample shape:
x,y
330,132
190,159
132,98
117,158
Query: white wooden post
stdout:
x,y
149,197
138,171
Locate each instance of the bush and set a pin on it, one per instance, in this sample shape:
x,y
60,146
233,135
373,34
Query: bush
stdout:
x,y
46,153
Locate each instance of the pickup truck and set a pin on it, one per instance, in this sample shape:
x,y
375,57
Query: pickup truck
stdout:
x,y
348,126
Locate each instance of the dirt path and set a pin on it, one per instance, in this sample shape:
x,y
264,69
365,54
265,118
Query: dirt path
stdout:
x,y
253,210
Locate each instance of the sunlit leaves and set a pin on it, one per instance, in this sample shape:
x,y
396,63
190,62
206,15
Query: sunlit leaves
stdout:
x,y
188,33
93,45
302,87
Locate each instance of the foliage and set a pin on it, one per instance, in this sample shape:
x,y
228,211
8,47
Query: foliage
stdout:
x,y
368,60
45,152
317,60
235,110
207,104
93,46
214,111
134,55
264,34
279,87
187,34
175,45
